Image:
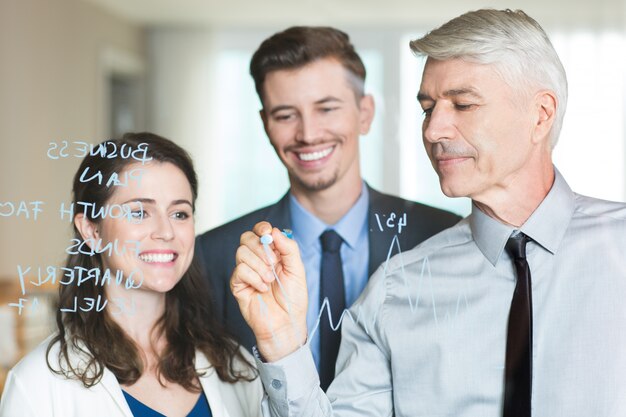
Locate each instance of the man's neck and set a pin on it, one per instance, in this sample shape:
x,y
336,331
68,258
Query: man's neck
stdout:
x,y
515,205
331,204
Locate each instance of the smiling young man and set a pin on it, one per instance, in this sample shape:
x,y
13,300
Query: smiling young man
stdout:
x,y
310,81
517,310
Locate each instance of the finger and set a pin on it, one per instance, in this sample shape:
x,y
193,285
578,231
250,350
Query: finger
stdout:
x,y
244,277
247,237
262,228
246,256
288,252
253,243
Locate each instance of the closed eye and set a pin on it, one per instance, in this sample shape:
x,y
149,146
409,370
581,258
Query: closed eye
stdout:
x,y
464,107
283,117
426,103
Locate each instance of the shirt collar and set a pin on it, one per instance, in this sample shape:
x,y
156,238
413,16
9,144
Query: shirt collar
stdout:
x,y
546,225
307,228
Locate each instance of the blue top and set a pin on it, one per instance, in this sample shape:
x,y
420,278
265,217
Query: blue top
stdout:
x,y
352,228
139,409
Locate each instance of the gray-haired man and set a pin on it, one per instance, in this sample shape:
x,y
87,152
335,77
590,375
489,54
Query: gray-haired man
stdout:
x,y
519,307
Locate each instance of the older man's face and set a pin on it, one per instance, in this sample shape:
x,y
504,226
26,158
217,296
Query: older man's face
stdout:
x,y
477,130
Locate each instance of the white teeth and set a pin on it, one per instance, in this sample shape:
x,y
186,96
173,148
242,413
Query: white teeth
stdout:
x,y
314,156
157,257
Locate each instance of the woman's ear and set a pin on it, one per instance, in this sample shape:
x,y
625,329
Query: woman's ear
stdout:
x,y
88,230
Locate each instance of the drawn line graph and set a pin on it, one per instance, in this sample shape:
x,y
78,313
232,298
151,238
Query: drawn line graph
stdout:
x,y
415,302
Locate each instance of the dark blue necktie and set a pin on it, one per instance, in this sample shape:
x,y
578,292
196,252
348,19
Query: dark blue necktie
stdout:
x,y
519,342
331,287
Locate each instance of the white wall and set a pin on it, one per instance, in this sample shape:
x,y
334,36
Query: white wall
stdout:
x,y
51,89
187,97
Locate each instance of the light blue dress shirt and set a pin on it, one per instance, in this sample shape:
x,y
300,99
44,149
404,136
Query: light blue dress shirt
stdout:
x,y
429,337
352,228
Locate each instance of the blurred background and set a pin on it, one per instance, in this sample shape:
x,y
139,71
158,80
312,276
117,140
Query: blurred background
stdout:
x,y
87,70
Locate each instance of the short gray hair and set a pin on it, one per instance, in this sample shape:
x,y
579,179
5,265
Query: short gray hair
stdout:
x,y
510,40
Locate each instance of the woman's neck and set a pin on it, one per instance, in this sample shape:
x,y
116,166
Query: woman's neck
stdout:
x,y
140,320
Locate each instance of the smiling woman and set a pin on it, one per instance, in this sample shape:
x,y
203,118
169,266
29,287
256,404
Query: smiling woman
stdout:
x,y
162,223
163,353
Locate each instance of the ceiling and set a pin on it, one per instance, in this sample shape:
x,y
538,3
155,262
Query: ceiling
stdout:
x,y
268,13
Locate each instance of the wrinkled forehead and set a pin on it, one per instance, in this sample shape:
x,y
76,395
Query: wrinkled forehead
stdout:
x,y
457,74
468,72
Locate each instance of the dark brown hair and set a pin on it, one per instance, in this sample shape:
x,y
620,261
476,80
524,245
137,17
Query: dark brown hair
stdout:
x,y
298,46
187,322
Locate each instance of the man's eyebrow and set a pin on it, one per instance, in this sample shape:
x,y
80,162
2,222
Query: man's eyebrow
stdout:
x,y
423,97
470,91
328,99
452,93
323,100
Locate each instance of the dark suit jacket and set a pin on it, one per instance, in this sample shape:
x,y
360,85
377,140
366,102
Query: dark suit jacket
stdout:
x,y
215,249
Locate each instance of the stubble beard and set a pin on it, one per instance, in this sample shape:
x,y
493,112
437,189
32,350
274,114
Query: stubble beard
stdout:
x,y
317,184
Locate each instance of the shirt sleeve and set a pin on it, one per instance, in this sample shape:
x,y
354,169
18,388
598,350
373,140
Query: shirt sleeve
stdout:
x,y
363,384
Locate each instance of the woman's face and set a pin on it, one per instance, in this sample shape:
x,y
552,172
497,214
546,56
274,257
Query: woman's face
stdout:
x,y
158,230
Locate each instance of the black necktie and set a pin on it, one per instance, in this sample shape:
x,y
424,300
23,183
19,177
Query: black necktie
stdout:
x,y
331,287
519,342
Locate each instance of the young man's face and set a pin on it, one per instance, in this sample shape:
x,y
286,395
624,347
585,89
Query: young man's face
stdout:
x,y
313,119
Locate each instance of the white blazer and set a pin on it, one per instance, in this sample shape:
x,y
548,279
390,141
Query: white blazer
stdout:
x,y
32,390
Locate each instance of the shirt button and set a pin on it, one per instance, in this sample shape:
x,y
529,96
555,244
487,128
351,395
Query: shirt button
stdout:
x,y
276,384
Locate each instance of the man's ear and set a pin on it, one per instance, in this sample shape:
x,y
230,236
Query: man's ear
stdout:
x,y
367,110
545,106
264,120
88,230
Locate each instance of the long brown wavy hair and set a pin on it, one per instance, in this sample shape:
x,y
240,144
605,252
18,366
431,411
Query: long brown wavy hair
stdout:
x,y
187,322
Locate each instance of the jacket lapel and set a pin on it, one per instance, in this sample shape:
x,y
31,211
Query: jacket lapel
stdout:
x,y
379,240
211,386
113,388
279,215
108,382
